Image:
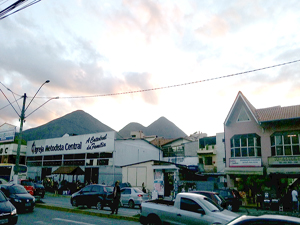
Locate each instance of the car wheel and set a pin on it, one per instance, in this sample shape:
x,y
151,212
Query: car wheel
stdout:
x,y
99,205
153,220
229,207
74,202
131,204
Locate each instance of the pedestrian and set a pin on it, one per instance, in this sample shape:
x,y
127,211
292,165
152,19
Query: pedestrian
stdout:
x,y
143,188
295,200
116,198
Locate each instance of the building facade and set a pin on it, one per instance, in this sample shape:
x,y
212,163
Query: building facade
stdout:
x,y
99,155
262,144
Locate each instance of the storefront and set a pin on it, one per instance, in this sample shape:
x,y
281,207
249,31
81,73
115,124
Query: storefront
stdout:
x,y
99,155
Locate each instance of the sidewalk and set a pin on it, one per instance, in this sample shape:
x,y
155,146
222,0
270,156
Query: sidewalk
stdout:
x,y
62,203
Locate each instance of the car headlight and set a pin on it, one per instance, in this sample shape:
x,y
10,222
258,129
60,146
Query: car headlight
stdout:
x,y
33,199
14,212
17,200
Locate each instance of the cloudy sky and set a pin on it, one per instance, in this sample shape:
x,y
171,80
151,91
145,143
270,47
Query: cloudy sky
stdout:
x,y
93,50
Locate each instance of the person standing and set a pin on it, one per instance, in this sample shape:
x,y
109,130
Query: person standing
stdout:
x,y
295,200
116,198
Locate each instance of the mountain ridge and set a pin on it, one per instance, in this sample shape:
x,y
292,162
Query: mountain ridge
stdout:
x,y
79,122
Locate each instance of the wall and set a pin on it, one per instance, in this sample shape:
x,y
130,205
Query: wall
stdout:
x,y
139,173
220,152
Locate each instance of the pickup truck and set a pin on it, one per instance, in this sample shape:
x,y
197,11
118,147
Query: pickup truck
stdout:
x,y
188,208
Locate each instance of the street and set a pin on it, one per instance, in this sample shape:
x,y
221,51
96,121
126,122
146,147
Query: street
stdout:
x,y
49,217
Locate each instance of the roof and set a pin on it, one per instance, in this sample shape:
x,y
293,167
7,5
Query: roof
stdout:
x,y
70,170
270,114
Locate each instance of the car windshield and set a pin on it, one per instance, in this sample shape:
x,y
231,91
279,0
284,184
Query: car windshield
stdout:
x,y
211,205
26,183
18,190
109,189
2,197
39,185
136,190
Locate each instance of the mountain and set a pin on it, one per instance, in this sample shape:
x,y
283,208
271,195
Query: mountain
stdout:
x,y
161,127
80,122
77,122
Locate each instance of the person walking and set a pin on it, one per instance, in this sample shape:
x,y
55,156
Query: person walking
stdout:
x,y
295,200
116,198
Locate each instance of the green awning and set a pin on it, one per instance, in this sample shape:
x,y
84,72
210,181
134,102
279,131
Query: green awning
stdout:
x,y
69,170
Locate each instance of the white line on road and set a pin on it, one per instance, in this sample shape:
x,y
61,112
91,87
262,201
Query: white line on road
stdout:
x,y
72,221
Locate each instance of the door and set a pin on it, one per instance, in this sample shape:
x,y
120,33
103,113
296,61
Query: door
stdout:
x,y
190,212
125,195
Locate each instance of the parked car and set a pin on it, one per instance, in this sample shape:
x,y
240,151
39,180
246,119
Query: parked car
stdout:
x,y
93,195
187,208
215,196
18,196
39,190
8,212
28,185
265,219
133,196
232,197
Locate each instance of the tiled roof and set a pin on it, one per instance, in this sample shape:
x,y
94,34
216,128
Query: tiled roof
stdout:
x,y
278,113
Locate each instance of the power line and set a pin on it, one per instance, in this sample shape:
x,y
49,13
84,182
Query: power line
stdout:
x,y
15,7
182,84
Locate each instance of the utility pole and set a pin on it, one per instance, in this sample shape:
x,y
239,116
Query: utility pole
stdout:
x,y
22,117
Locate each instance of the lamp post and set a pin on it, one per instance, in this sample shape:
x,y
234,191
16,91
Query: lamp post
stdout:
x,y
22,118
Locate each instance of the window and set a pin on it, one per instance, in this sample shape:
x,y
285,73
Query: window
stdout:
x,y
285,143
189,205
245,145
208,161
243,116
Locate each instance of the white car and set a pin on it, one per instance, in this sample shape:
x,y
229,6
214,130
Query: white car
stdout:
x,y
132,196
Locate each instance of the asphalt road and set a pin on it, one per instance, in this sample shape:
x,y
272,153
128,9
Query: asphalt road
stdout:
x,y
53,217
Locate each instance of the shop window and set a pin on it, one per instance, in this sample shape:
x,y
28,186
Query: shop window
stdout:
x,y
245,145
285,143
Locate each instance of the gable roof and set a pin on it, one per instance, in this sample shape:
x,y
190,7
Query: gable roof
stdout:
x,y
267,114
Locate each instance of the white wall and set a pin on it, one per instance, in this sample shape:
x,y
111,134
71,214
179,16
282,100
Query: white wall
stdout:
x,y
135,151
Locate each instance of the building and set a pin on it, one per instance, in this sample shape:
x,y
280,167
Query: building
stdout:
x,y
9,145
99,155
262,144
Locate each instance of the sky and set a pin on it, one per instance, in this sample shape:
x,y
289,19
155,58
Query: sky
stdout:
x,y
166,53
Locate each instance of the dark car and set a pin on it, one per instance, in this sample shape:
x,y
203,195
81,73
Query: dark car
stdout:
x,y
18,196
265,220
215,196
8,213
93,195
39,190
232,197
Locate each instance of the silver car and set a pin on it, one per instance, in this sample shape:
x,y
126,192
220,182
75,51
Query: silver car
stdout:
x,y
132,196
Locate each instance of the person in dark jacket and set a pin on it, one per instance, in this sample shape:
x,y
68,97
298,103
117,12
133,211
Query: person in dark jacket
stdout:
x,y
116,198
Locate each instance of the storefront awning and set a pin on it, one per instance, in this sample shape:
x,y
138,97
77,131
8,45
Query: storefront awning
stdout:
x,y
245,171
69,170
281,170
165,167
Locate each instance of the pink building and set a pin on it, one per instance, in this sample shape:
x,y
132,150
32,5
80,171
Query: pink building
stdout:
x,y
263,143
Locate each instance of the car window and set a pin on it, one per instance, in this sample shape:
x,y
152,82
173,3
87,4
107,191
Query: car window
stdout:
x,y
136,190
39,185
127,191
26,183
205,194
97,188
109,189
189,205
18,190
2,197
87,188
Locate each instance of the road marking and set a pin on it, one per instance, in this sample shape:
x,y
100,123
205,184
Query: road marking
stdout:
x,y
42,222
72,221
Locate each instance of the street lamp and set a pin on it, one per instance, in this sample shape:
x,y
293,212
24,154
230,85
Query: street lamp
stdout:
x,y
22,118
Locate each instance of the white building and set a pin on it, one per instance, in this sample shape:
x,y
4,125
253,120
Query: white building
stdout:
x,y
99,155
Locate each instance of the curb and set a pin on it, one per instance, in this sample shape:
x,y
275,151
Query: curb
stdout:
x,y
41,205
